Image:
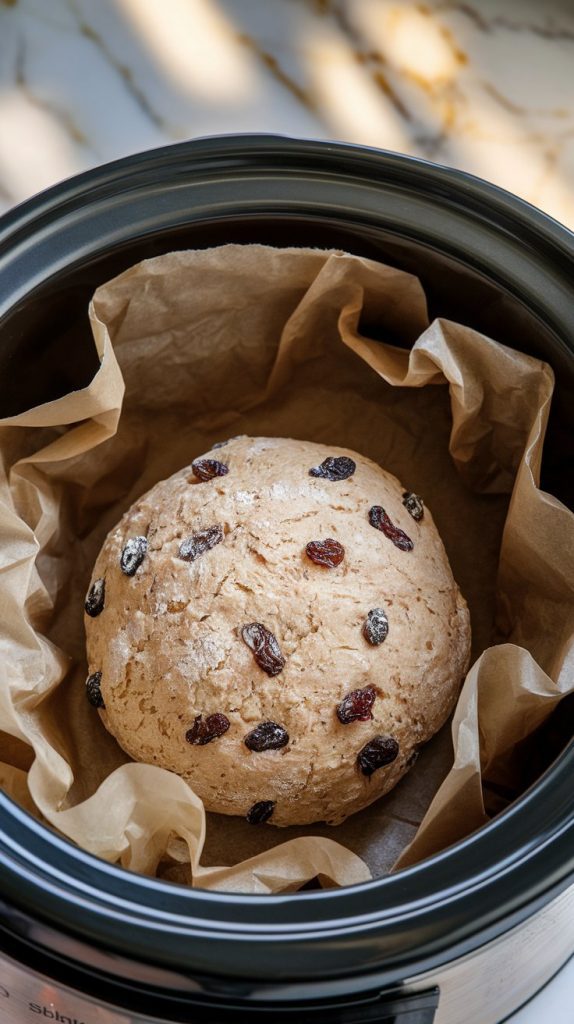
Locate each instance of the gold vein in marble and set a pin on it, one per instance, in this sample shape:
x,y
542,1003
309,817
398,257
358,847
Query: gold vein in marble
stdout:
x,y
350,102
196,47
381,80
122,70
415,43
468,11
364,53
518,109
490,24
62,115
281,76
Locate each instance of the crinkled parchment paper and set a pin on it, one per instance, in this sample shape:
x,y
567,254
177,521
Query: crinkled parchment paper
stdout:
x,y
306,344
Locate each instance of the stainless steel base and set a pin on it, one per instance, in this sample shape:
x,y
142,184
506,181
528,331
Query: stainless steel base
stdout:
x,y
481,988
489,984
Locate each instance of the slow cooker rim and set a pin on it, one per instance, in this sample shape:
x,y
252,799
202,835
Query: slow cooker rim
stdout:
x,y
482,201
453,920
521,808
47,204
247,144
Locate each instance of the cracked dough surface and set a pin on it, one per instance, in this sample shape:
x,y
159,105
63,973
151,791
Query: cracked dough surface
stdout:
x,y
168,641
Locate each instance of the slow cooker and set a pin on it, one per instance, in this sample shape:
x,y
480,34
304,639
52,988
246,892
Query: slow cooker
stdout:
x,y
465,936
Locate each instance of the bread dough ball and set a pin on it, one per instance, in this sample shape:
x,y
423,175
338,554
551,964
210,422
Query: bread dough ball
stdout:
x,y
238,606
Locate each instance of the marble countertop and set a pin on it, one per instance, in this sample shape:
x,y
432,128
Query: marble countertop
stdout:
x,y
484,85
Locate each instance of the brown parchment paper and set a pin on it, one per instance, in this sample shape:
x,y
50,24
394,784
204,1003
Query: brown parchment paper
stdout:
x,y
308,344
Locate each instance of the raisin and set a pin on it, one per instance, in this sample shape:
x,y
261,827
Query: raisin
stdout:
x,y
205,730
377,753
267,736
133,555
266,650
206,469
337,467
260,812
356,706
196,545
93,691
376,627
414,505
381,521
326,552
95,598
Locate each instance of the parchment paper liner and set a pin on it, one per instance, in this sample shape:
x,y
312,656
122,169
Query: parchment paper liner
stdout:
x,y
249,339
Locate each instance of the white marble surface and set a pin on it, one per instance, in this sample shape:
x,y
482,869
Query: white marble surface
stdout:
x,y
554,1005
484,85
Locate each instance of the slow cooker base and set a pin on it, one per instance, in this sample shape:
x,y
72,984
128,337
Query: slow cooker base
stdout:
x,y
483,987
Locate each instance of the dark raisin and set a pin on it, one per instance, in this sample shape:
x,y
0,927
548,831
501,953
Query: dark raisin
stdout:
x,y
260,812
133,555
414,505
356,706
376,626
377,753
196,545
205,730
336,467
326,552
95,599
267,736
381,521
266,650
93,691
206,469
